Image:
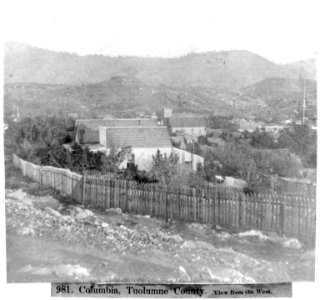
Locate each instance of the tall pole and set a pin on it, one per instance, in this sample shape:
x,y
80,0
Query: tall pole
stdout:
x,y
304,103
192,154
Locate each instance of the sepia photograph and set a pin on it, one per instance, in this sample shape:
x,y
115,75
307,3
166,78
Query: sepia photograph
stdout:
x,y
159,142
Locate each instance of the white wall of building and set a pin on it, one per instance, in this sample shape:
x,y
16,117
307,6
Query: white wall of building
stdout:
x,y
188,157
103,136
143,157
197,131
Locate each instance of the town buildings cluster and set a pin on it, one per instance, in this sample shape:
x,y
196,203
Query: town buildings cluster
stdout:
x,y
169,133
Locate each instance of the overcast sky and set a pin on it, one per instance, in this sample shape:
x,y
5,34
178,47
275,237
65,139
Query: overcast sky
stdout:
x,y
281,31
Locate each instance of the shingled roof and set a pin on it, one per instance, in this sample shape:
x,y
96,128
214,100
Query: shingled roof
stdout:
x,y
91,126
94,124
138,137
187,121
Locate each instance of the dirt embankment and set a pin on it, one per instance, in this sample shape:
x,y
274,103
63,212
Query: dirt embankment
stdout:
x,y
48,240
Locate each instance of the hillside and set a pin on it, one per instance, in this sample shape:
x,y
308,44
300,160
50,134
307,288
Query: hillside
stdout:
x,y
120,96
126,96
285,95
219,70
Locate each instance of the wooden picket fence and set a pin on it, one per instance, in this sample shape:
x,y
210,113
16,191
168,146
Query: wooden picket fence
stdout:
x,y
288,215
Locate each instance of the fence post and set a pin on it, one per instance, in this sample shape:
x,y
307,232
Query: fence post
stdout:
x,y
282,217
242,210
40,177
82,188
194,204
166,193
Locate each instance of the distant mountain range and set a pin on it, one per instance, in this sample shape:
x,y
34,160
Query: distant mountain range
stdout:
x,y
229,70
229,82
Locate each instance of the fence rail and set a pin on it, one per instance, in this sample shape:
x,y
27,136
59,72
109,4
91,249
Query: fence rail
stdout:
x,y
289,215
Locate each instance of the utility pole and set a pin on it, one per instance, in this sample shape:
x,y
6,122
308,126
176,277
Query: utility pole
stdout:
x,y
304,103
192,155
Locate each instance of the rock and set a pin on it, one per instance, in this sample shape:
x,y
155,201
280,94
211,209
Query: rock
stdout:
x,y
42,271
46,201
110,276
18,195
196,228
225,275
168,237
207,272
309,255
292,243
67,219
197,244
26,231
254,233
189,245
204,245
27,268
108,230
74,210
96,223
75,271
52,212
104,225
176,238
61,207
65,228
84,214
183,274
123,227
224,235
114,210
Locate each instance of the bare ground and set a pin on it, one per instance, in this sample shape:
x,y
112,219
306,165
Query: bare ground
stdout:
x,y
51,239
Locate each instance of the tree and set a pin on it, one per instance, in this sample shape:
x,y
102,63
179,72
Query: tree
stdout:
x,y
192,146
217,122
164,167
301,140
262,139
112,162
227,135
255,166
43,131
202,140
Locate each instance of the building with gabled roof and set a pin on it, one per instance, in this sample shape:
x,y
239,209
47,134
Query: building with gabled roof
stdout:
x,y
193,125
144,141
87,130
246,124
136,137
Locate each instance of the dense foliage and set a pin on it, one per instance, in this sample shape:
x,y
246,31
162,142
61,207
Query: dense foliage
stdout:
x,y
41,141
255,166
164,167
299,139
254,157
44,132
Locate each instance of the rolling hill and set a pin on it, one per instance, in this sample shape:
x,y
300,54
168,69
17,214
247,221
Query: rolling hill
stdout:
x,y
125,96
236,83
227,70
